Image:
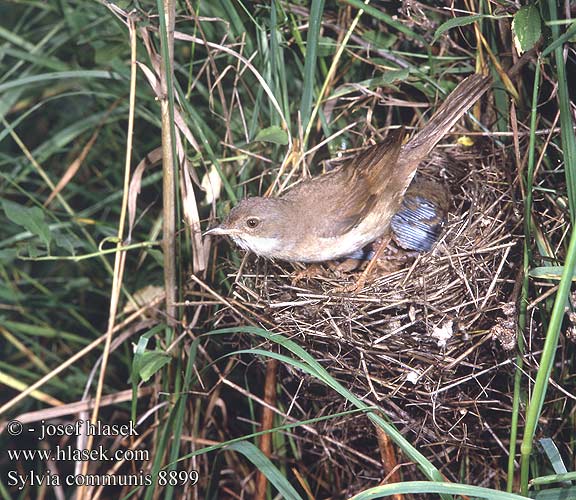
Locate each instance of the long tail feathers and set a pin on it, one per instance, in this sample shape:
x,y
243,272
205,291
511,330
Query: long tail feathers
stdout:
x,y
456,104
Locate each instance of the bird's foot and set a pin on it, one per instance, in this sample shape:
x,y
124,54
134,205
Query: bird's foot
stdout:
x,y
309,272
360,283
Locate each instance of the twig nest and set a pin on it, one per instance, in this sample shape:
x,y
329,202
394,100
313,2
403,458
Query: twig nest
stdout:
x,y
443,297
421,337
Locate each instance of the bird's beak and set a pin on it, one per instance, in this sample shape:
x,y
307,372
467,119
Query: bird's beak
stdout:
x,y
218,230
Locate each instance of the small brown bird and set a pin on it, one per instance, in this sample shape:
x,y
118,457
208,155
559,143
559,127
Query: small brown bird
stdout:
x,y
337,213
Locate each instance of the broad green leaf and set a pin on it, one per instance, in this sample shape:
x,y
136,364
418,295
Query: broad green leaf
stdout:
x,y
41,79
272,134
386,79
137,363
9,295
157,255
526,28
30,218
421,489
152,362
461,21
552,478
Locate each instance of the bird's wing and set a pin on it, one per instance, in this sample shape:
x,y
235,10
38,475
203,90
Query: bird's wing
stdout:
x,y
340,200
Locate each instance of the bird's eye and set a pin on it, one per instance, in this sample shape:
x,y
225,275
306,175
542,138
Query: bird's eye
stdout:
x,y
252,222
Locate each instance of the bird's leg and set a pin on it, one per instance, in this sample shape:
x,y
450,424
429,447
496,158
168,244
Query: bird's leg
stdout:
x,y
363,278
309,272
314,270
361,281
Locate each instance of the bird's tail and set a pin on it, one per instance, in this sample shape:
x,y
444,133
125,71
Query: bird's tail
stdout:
x,y
456,104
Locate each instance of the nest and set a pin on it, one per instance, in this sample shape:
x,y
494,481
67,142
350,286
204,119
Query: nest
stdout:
x,y
426,342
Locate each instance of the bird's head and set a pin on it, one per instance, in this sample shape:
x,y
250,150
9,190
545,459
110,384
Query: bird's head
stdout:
x,y
256,224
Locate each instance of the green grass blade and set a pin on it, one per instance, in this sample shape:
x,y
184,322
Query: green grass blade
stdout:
x,y
312,41
314,368
552,335
264,465
424,487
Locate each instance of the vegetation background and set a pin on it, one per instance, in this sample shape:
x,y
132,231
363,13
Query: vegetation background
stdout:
x,y
85,272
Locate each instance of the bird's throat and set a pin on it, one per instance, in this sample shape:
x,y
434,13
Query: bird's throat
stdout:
x,y
264,246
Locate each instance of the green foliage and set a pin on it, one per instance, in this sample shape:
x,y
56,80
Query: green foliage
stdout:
x,y
146,362
30,218
272,134
527,28
456,22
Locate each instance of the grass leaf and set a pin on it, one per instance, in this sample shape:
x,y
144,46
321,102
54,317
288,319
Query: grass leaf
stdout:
x,y
264,465
456,22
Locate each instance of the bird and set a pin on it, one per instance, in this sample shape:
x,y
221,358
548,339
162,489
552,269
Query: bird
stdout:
x,y
335,214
